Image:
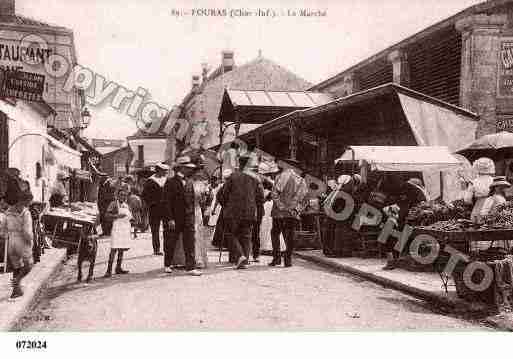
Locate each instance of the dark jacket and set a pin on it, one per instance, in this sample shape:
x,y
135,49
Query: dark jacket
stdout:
x,y
152,195
179,203
106,194
241,196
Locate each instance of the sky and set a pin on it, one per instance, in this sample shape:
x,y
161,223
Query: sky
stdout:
x,y
145,44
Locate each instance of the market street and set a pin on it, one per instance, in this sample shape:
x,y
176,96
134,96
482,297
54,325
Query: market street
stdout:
x,y
304,297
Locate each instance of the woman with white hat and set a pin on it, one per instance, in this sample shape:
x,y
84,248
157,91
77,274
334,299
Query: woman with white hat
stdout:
x,y
479,190
497,196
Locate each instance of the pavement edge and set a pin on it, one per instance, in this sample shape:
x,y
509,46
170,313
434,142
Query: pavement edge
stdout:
x,y
30,298
453,304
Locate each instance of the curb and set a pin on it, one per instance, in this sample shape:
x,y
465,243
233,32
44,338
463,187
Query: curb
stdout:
x,y
455,304
32,292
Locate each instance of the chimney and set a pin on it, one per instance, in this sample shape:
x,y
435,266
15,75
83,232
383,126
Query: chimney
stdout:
x,y
227,61
7,7
195,82
204,71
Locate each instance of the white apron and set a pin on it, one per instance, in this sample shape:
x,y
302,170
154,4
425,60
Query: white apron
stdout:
x,y
121,229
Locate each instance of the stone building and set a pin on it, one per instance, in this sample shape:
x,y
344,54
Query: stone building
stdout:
x,y
117,163
465,60
60,40
200,108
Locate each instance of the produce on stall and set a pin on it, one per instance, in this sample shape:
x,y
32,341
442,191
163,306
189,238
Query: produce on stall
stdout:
x,y
407,161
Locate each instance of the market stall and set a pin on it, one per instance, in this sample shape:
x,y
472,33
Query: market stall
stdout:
x,y
445,228
66,226
381,170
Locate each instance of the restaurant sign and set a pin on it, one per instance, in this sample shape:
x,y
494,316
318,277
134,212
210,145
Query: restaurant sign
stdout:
x,y
505,74
22,85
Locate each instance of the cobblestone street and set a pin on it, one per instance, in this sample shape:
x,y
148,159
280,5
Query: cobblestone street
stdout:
x,y
304,297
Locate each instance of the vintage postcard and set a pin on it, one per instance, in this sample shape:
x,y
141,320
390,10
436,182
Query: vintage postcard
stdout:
x,y
306,165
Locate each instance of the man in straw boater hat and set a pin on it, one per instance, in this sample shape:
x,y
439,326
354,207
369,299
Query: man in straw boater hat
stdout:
x,y
152,197
241,196
288,196
178,197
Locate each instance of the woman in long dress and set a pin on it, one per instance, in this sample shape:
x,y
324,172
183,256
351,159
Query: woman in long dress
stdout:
x,y
201,232
119,212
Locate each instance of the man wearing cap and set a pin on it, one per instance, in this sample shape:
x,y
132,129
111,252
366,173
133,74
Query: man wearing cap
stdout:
x,y
288,196
179,213
241,196
152,195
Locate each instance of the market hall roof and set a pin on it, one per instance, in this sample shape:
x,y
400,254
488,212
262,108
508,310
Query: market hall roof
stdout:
x,y
260,106
481,8
431,121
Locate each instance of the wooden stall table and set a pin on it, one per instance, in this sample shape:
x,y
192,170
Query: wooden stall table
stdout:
x,y
462,241
67,228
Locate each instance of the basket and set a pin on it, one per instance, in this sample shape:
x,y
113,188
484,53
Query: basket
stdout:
x,y
487,296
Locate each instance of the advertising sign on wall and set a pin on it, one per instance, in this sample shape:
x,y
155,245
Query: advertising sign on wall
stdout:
x,y
22,85
505,72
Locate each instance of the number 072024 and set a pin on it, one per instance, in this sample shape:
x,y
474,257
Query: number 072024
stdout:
x,y
31,344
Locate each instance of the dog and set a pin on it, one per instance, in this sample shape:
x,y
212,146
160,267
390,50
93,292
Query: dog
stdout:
x,y
87,252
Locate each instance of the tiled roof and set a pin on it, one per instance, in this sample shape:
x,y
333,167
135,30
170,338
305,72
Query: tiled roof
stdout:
x,y
264,74
23,20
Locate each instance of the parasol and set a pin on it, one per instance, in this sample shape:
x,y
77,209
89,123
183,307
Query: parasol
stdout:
x,y
495,146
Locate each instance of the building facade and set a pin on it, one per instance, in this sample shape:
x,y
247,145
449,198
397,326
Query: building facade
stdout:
x,y
13,29
118,162
465,60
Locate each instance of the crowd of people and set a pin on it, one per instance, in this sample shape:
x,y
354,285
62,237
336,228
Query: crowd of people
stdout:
x,y
251,204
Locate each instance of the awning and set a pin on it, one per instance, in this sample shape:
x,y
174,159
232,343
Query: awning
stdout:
x,y
64,155
256,107
403,158
60,153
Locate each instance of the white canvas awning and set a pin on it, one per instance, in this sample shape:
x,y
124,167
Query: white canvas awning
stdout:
x,y
64,155
403,158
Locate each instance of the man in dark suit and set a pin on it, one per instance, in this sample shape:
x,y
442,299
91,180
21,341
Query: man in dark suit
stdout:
x,y
152,197
178,198
240,197
106,192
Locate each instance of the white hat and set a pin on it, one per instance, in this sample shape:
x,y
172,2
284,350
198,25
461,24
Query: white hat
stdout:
x,y
162,166
227,173
343,179
184,161
268,167
484,166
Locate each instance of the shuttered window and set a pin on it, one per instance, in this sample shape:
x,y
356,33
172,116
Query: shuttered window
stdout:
x,y
435,65
377,73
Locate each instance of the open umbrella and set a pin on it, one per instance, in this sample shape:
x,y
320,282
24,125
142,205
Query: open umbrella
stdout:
x,y
495,146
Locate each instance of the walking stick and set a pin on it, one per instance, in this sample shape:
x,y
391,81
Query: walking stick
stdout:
x,y
221,247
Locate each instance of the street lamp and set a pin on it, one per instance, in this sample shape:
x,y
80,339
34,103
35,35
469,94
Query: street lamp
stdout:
x,y
85,118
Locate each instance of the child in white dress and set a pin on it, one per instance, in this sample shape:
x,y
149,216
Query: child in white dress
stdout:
x,y
119,212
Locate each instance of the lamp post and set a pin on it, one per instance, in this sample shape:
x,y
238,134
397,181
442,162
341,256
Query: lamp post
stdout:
x,y
85,117
84,122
